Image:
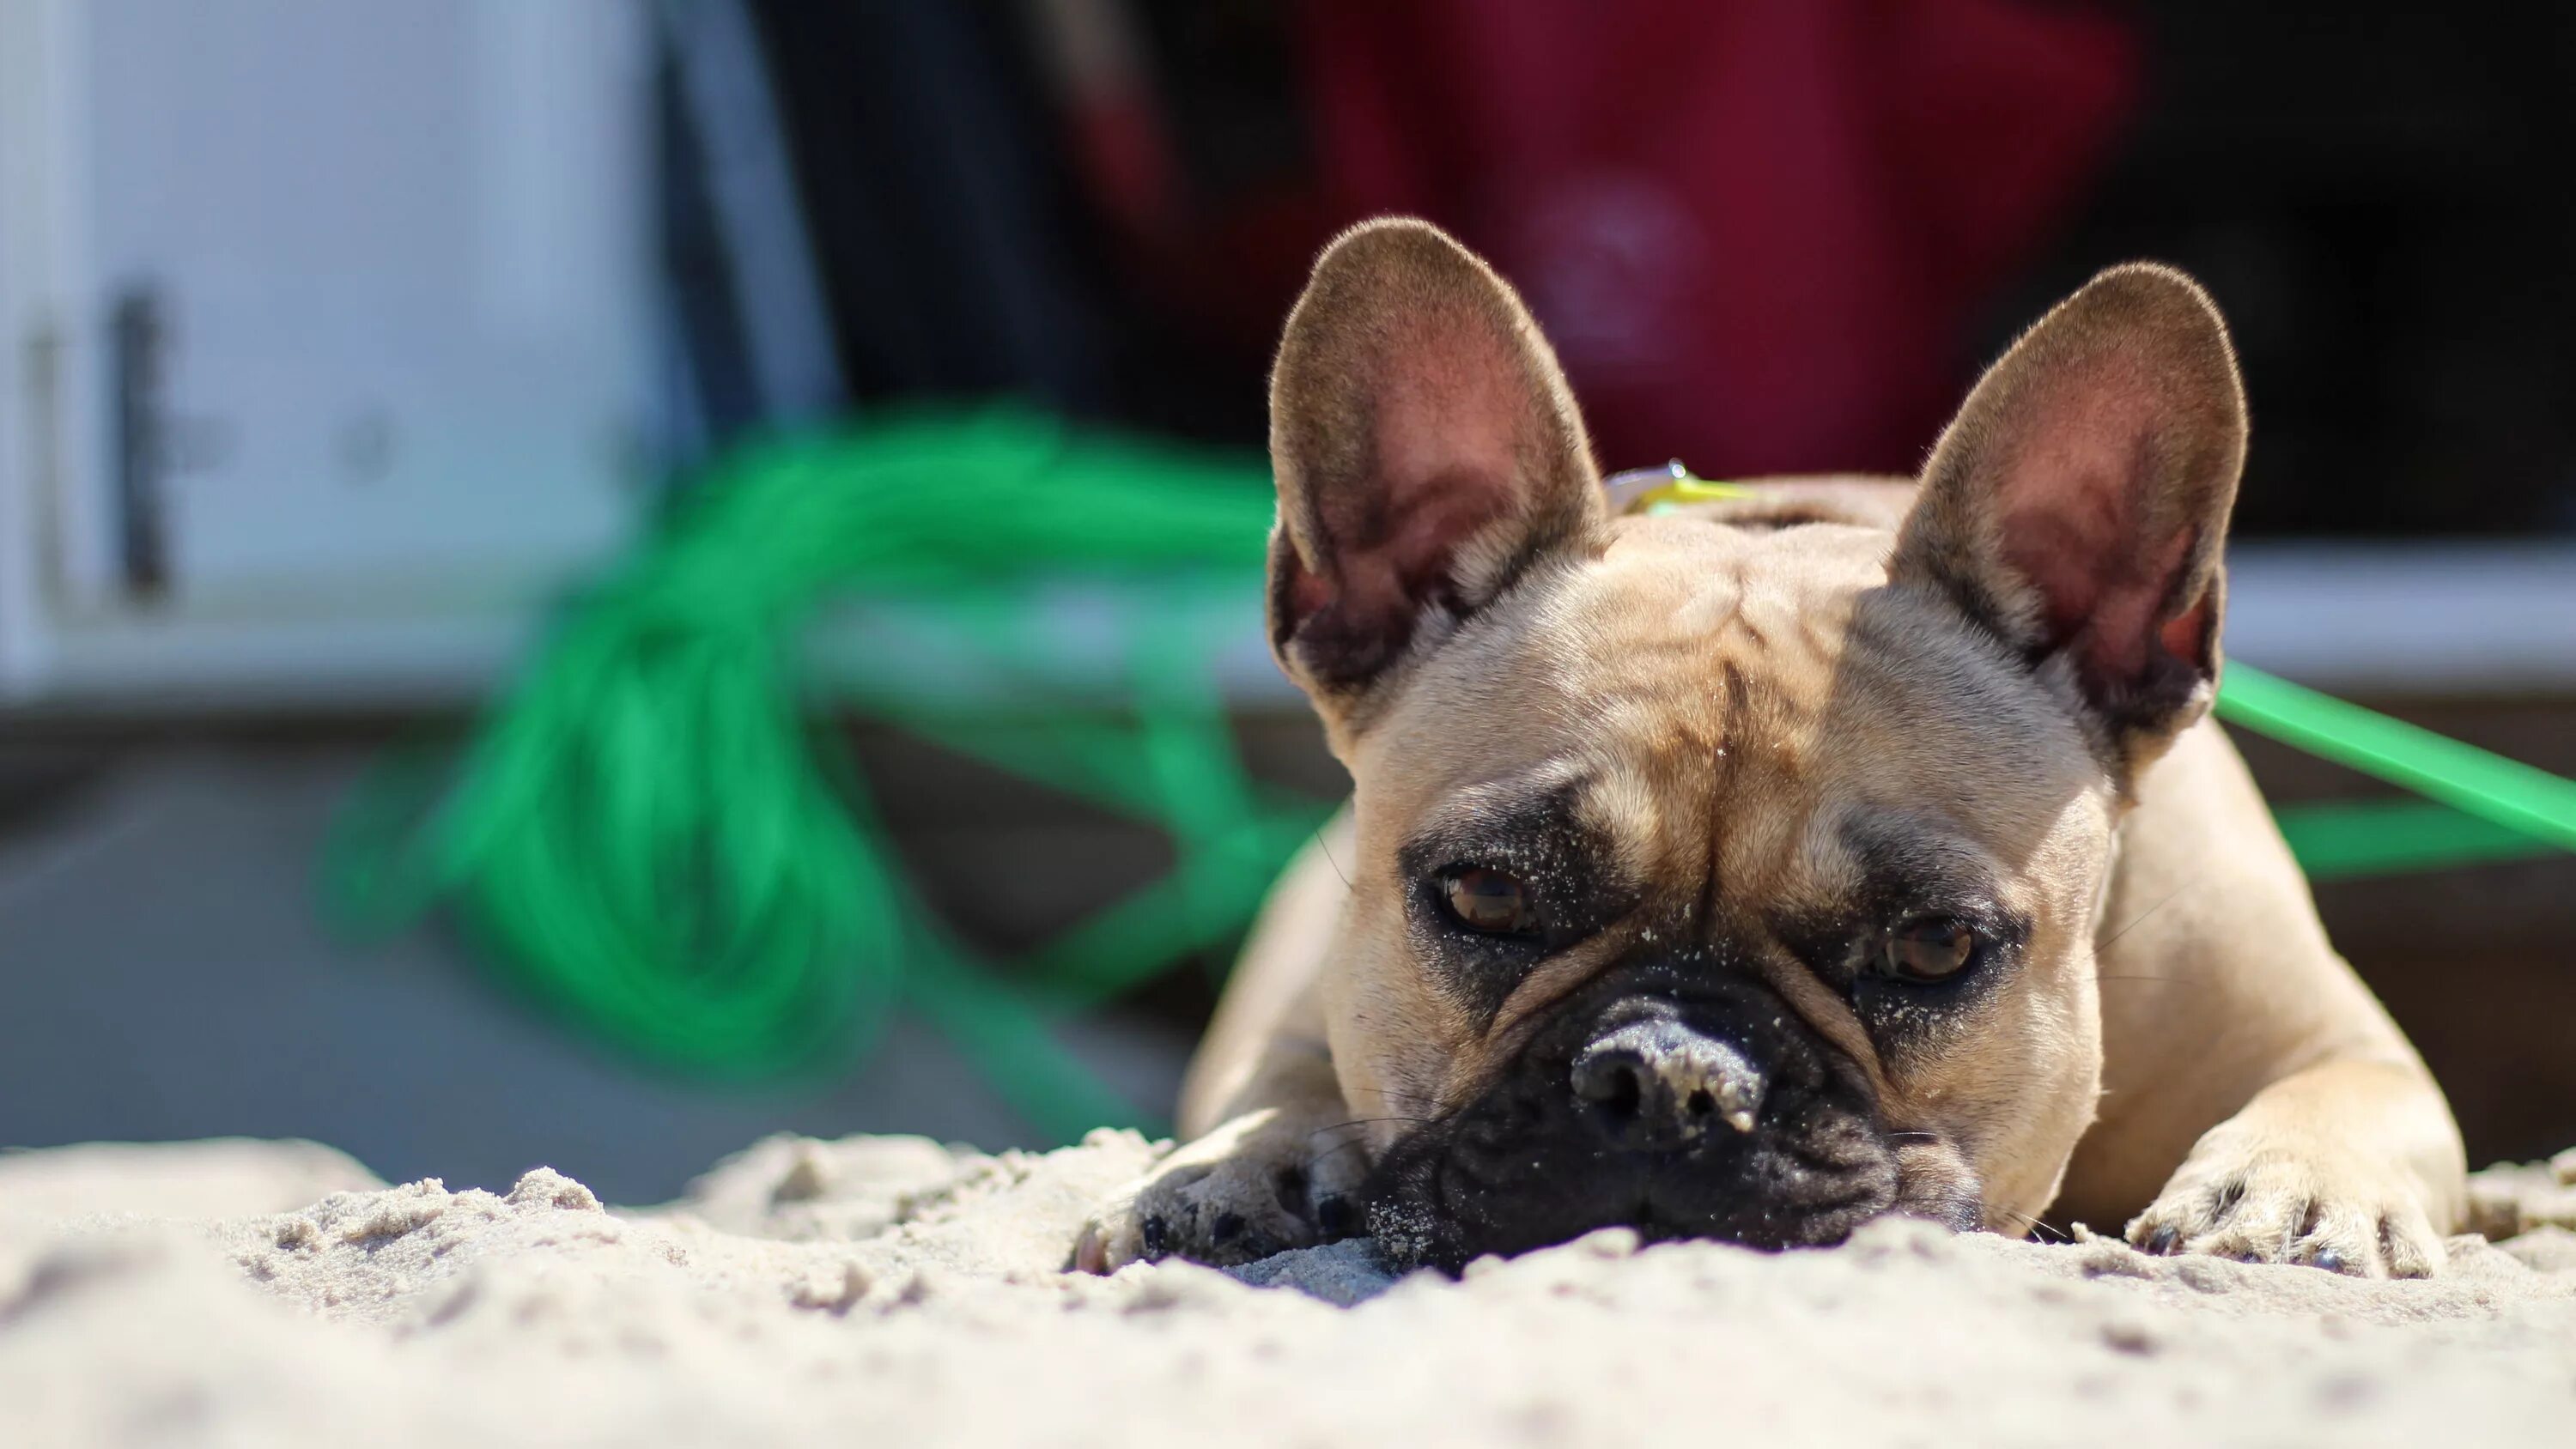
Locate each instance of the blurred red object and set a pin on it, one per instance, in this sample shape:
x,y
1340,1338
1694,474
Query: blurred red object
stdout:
x,y
1759,231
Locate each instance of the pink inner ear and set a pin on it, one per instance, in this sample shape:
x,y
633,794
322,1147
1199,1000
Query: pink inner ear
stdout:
x,y
1452,407
2073,522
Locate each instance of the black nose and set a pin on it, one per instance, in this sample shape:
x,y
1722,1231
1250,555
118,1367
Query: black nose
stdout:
x,y
1657,1085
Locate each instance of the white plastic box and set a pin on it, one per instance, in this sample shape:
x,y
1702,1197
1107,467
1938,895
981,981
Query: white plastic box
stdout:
x,y
326,339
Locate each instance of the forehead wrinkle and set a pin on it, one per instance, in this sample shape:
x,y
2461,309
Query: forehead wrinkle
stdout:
x,y
1694,678
1633,627
1766,789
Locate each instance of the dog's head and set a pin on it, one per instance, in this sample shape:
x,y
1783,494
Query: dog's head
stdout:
x,y
1731,872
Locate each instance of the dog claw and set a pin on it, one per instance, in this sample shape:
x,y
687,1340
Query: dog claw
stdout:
x,y
1252,1188
1091,1251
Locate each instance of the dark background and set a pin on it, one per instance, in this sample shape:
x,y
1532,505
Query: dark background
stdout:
x,y
2375,193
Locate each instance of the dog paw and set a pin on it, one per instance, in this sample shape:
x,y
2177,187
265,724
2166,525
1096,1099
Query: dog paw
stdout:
x,y
1260,1184
2321,1207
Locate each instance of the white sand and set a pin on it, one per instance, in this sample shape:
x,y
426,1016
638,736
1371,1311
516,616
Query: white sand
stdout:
x,y
888,1291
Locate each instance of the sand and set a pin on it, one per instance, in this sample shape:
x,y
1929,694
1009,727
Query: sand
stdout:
x,y
891,1291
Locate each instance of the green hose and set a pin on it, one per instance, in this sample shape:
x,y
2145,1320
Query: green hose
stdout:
x,y
652,836
2483,806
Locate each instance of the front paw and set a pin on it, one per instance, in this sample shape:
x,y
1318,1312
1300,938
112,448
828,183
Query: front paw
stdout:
x,y
1258,1185
2323,1206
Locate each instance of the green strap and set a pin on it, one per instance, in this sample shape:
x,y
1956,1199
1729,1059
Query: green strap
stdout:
x,y
2506,794
2344,839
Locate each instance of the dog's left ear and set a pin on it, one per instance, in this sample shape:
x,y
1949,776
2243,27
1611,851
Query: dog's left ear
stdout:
x,y
2078,505
1428,453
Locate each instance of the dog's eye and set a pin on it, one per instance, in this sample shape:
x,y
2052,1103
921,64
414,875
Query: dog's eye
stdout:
x,y
1488,901
1931,949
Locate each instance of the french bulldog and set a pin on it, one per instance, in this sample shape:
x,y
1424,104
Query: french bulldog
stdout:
x,y
1752,869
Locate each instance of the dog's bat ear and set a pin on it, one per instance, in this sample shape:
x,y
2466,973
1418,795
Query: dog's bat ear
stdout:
x,y
2078,505
1427,452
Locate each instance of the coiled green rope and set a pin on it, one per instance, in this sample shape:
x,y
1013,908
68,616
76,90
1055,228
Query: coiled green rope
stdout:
x,y
651,835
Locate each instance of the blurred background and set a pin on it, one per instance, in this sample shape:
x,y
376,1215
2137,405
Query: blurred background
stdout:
x,y
346,346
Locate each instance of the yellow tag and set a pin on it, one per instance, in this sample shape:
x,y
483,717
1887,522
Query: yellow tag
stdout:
x,y
1661,490
1691,490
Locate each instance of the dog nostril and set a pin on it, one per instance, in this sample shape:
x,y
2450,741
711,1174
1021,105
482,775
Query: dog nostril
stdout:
x,y
1610,1081
1627,1091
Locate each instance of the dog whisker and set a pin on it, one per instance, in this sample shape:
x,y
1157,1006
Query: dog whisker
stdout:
x,y
1356,1142
1421,1102
2170,897
2034,1225
1326,849
1364,1122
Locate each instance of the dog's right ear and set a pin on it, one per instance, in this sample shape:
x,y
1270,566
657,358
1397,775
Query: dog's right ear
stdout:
x,y
2078,506
1427,452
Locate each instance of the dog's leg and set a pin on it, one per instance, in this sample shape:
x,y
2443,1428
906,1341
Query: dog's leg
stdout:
x,y
1272,1159
1271,1178
2256,1097
2345,1165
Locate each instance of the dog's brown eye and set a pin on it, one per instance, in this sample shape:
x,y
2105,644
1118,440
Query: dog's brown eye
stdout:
x,y
1929,950
1489,901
